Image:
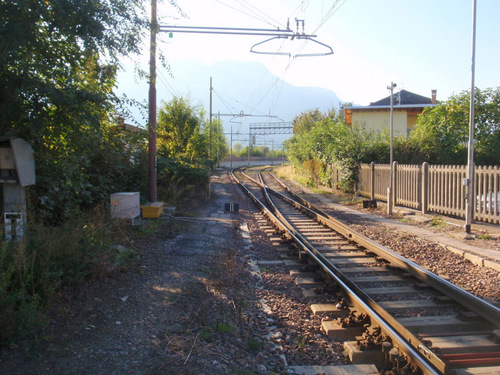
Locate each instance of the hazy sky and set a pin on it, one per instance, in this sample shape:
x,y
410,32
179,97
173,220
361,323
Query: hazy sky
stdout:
x,y
418,44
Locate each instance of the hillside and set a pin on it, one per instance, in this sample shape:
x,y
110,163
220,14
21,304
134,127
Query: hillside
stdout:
x,y
237,86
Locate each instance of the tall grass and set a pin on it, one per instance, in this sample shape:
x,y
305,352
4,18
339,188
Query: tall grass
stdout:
x,y
46,261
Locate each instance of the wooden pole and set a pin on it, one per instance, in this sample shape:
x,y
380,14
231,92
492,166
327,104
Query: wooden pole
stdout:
x,y
152,106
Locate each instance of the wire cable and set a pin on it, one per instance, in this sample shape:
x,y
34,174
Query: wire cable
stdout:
x,y
245,13
165,83
258,11
333,9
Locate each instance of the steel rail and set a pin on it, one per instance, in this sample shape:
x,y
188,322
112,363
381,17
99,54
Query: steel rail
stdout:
x,y
484,309
401,262
352,291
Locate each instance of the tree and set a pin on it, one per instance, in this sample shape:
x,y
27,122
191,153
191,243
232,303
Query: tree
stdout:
x,y
442,132
237,147
217,140
49,48
58,63
329,142
306,120
180,130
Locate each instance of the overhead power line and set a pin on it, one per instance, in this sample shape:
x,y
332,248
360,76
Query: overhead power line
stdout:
x,y
254,15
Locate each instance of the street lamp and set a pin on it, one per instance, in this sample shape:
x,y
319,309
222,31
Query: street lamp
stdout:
x,y
391,130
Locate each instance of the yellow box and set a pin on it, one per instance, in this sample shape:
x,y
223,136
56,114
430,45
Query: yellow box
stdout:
x,y
152,210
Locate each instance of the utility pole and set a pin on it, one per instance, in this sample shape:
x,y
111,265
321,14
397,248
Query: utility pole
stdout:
x,y
210,128
470,203
152,106
272,151
249,147
391,127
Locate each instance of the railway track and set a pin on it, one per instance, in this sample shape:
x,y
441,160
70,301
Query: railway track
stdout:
x,y
419,321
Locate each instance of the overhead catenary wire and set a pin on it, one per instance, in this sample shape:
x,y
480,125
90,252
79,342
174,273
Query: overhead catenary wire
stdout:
x,y
222,100
329,13
333,9
165,83
252,11
265,14
255,16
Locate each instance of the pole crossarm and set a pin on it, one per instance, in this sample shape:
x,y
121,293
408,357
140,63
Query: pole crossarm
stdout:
x,y
273,33
265,128
229,30
241,115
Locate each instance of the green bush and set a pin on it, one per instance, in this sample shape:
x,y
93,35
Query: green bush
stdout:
x,y
179,179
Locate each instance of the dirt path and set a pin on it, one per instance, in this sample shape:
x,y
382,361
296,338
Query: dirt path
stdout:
x,y
152,319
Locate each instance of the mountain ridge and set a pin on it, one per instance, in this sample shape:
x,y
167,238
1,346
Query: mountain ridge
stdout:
x,y
238,86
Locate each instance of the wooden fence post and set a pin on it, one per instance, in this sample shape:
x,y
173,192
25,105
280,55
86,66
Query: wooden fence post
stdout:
x,y
425,186
394,183
372,180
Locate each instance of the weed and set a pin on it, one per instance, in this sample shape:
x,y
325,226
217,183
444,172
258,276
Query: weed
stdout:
x,y
301,341
206,334
228,268
437,222
150,227
484,237
224,327
34,270
254,345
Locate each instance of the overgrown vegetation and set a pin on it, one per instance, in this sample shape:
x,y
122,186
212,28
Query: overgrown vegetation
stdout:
x,y
58,69
48,261
324,143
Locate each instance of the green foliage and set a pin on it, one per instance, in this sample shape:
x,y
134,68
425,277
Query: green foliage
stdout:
x,y
324,142
484,237
306,120
58,64
330,142
225,327
80,171
52,68
187,150
437,222
176,177
179,130
311,168
442,132
255,345
184,134
206,334
217,141
255,151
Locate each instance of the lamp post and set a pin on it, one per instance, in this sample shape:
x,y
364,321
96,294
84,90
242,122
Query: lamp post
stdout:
x,y
391,158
